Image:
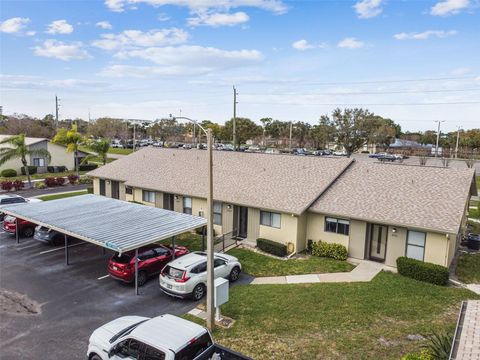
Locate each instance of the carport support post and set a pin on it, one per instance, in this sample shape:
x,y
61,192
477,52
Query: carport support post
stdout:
x,y
17,239
136,271
66,249
210,278
173,247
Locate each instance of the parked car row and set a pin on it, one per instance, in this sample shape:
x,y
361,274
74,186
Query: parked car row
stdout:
x,y
383,156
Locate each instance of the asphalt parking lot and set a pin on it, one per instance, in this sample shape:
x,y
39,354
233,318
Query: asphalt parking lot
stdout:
x,y
74,299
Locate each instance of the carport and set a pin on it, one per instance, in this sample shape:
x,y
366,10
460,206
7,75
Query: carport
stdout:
x,y
112,224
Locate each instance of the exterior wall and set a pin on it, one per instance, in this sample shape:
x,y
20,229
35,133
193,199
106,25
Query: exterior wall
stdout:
x,y
227,218
301,242
122,191
108,188
159,199
253,225
287,233
60,156
453,243
316,231
138,197
178,203
96,186
14,164
396,245
436,248
357,243
130,197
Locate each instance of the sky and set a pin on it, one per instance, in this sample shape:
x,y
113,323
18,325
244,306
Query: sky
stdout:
x,y
415,62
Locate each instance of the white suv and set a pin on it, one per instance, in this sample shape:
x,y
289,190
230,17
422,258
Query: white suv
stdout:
x,y
165,337
187,276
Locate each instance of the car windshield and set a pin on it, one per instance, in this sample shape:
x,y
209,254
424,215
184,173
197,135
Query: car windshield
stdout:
x,y
125,331
174,273
195,347
122,258
9,219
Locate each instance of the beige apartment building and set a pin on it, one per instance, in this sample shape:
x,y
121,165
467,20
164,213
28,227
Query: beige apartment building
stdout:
x,y
377,211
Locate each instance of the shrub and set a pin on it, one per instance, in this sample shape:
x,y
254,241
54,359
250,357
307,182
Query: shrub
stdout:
x,y
85,180
60,180
272,247
40,185
424,355
422,271
87,167
18,184
7,185
439,345
72,179
330,250
31,170
9,173
50,181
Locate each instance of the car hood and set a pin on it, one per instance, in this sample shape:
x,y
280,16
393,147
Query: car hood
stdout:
x,y
103,334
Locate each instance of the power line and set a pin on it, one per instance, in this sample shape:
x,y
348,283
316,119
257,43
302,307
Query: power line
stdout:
x,y
365,104
403,91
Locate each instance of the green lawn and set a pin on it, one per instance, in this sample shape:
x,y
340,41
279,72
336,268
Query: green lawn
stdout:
x,y
120,151
191,241
257,264
337,321
468,268
61,196
41,176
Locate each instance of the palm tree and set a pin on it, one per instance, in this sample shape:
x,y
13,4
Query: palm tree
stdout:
x,y
19,149
100,147
72,139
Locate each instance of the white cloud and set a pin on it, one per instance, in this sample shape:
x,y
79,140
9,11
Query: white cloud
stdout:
x,y
424,35
182,61
367,9
305,45
14,25
29,82
163,17
136,38
59,27
103,25
350,43
275,6
461,71
218,19
449,7
60,50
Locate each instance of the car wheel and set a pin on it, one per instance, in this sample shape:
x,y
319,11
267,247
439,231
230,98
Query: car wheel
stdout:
x,y
95,357
28,232
142,278
234,274
198,292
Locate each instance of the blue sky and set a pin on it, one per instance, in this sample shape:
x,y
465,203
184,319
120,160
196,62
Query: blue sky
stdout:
x,y
290,60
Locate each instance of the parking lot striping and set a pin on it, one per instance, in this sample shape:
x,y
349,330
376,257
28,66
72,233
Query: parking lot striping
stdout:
x,y
103,277
60,248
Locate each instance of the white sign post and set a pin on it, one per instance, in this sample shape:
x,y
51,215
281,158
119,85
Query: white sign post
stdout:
x,y
220,295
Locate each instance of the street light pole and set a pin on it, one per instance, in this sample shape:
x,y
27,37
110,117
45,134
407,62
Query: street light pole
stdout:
x,y
210,245
438,136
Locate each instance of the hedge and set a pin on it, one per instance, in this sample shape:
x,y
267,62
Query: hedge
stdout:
x,y
9,173
31,170
422,271
330,250
87,167
272,247
56,169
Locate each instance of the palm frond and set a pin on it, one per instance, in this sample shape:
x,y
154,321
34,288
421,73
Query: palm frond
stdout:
x,y
40,152
7,154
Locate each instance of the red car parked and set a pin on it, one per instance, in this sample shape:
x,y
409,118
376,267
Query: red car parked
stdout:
x,y
151,260
25,228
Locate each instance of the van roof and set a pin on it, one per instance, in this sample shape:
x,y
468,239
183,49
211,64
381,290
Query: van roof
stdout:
x,y
167,331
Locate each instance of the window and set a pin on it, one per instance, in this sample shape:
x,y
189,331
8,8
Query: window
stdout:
x,y
338,226
187,205
149,254
415,245
217,213
38,162
218,262
152,354
102,187
270,219
195,348
129,190
148,196
200,268
161,251
128,349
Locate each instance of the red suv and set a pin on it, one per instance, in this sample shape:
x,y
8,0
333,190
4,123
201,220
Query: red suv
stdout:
x,y
151,260
25,228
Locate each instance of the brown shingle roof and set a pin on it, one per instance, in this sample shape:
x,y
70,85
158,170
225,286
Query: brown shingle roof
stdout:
x,y
277,182
417,196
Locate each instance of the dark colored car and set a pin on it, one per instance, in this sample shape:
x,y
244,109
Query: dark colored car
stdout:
x,y
49,236
151,261
10,199
25,228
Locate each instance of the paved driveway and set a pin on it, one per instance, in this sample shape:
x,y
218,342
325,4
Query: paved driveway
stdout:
x,y
74,299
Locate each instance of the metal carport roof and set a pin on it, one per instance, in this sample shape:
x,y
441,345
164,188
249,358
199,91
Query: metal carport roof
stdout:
x,y
114,224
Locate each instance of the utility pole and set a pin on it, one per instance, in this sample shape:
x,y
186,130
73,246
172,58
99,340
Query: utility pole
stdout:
x,y
438,136
456,145
235,118
56,111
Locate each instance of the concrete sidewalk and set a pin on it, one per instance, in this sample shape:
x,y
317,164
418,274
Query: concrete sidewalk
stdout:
x,y
364,272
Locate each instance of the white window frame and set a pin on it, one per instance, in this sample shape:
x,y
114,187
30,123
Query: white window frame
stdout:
x,y
329,219
148,196
41,161
217,214
270,222
185,206
408,244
